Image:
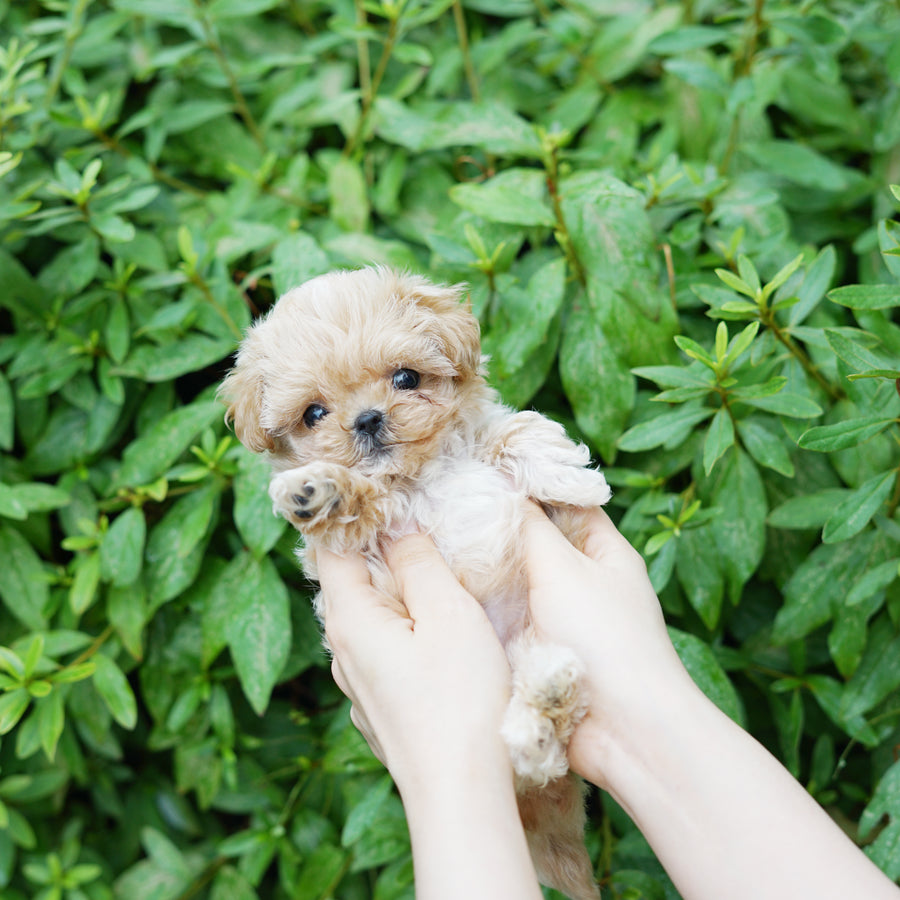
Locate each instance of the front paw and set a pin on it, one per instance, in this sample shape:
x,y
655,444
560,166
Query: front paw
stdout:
x,y
306,493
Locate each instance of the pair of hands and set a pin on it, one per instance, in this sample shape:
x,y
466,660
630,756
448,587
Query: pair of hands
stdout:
x,y
431,690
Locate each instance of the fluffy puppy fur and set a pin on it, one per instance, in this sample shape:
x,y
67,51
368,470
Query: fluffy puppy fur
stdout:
x,y
366,391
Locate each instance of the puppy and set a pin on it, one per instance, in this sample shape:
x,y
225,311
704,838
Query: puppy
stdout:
x,y
366,390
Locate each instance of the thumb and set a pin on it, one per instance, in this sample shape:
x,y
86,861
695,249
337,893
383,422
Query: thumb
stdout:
x,y
352,610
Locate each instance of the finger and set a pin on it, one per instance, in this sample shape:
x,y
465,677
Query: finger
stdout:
x,y
422,575
604,539
545,541
342,578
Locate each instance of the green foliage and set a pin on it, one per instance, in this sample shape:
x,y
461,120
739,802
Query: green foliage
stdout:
x,y
677,224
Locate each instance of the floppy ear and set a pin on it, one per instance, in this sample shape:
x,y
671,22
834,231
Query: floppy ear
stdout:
x,y
242,390
453,325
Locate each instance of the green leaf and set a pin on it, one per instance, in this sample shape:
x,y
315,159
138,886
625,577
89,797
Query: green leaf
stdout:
x,y
176,545
508,197
349,195
320,872
126,609
782,276
676,376
854,354
700,574
10,505
738,284
363,816
800,164
39,497
83,592
818,587
687,37
765,447
118,330
164,362
807,510
7,414
703,667
225,9
148,457
718,439
873,581
884,810
114,689
818,276
433,125
259,527
122,550
12,708
295,259
597,382
258,630
857,510
784,403
878,674
671,425
736,489
50,712
527,317
741,342
694,350
867,296
23,586
848,433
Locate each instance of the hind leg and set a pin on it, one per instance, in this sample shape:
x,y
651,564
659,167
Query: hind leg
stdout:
x,y
547,703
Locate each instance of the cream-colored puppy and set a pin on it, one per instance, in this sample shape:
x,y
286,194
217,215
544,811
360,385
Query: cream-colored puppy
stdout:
x,y
366,391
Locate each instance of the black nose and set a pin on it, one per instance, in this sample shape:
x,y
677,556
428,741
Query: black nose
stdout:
x,y
369,422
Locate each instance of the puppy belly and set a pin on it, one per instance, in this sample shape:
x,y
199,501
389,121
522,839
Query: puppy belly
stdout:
x,y
474,516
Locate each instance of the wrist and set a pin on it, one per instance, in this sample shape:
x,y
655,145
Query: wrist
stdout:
x,y
444,765
615,743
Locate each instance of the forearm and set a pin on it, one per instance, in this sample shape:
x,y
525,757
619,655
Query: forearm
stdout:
x,y
724,817
467,839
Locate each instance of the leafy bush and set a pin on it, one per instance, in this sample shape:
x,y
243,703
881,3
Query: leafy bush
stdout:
x,y
675,221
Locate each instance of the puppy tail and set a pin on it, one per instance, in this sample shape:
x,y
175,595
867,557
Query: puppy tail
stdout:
x,y
553,818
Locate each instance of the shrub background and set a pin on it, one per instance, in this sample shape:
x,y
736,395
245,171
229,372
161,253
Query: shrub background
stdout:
x,y
675,219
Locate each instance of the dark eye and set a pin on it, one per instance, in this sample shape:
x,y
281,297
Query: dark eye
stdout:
x,y
314,413
405,380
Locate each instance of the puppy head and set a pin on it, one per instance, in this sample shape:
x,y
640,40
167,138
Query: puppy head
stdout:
x,y
371,368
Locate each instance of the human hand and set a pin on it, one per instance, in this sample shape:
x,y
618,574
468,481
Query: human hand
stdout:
x,y
428,691
601,604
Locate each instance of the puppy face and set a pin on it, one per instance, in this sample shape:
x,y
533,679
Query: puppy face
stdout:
x,y
368,369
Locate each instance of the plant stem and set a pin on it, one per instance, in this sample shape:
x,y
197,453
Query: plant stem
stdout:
x,y
670,275
368,96
895,498
551,164
114,144
198,282
757,23
362,52
237,95
768,319
463,36
99,641
65,54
